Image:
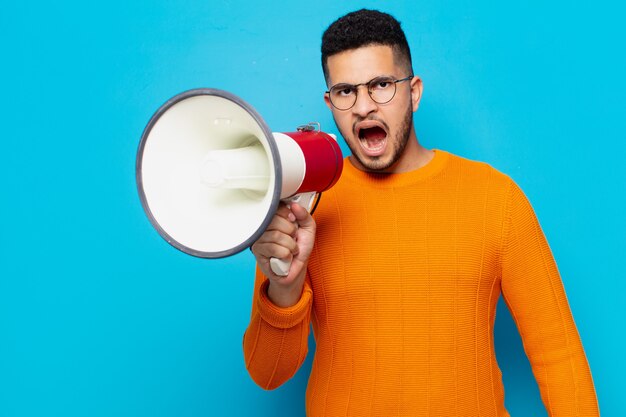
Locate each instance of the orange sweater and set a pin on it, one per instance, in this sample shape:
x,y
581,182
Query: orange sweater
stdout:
x,y
402,289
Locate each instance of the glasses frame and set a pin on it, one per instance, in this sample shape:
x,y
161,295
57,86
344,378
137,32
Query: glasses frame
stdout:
x,y
355,88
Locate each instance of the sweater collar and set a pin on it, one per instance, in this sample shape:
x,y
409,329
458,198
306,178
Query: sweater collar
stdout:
x,y
434,166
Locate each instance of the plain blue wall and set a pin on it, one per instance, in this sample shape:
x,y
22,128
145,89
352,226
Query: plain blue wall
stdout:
x,y
101,317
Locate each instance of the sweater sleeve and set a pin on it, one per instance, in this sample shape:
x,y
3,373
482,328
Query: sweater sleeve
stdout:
x,y
275,343
534,293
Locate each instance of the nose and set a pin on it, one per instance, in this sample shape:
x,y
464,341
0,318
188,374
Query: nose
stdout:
x,y
364,104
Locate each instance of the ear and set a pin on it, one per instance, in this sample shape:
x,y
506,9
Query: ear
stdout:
x,y
327,101
416,92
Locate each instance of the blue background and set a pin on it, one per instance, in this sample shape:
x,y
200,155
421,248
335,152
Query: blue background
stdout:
x,y
101,317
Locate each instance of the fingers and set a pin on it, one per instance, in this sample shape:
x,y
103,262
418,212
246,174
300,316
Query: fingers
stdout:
x,y
275,245
289,237
283,225
279,239
302,216
285,212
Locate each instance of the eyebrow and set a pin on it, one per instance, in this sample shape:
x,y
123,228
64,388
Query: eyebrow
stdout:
x,y
362,83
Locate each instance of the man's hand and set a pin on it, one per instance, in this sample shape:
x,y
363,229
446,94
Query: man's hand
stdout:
x,y
289,236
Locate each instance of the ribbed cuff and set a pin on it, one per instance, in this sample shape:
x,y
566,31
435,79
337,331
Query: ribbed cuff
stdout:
x,y
284,318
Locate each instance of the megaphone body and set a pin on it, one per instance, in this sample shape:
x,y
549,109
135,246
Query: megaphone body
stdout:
x,y
210,174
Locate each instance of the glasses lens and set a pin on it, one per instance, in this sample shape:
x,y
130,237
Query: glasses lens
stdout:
x,y
343,96
382,89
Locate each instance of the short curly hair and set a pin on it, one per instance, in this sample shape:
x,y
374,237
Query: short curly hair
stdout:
x,y
363,28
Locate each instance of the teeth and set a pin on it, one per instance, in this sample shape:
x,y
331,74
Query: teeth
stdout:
x,y
373,144
373,140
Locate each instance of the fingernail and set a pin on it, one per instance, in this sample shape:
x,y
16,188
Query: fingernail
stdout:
x,y
291,217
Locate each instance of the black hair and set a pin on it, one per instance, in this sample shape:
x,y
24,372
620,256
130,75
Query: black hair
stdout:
x,y
364,28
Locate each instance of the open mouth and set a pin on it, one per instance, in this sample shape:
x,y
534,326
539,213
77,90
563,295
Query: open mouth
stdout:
x,y
373,139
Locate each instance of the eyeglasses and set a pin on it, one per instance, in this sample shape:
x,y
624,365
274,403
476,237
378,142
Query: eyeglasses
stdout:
x,y
381,89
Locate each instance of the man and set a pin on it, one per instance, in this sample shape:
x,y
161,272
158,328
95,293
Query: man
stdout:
x,y
401,269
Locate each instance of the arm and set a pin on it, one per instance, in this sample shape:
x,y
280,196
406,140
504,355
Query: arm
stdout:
x,y
275,343
534,293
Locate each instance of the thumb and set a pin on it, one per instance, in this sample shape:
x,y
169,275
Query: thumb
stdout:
x,y
304,219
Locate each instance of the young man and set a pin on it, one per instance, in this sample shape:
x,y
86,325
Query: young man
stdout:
x,y
402,267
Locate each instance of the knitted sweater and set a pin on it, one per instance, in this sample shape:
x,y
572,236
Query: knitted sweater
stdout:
x,y
401,290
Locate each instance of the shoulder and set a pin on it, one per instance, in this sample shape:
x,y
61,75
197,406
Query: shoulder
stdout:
x,y
497,188
478,173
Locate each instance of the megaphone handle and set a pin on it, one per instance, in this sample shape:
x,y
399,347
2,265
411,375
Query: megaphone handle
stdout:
x,y
281,266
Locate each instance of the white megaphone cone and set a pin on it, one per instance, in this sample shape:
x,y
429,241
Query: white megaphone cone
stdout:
x,y
210,173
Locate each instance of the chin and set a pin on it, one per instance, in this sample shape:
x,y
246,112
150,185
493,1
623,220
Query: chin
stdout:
x,y
376,163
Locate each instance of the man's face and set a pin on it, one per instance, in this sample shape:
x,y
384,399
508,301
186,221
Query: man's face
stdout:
x,y
377,134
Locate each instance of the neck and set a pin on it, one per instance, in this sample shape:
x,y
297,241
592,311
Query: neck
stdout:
x,y
415,156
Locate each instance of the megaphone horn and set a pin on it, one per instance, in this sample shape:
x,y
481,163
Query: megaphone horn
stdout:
x,y
210,174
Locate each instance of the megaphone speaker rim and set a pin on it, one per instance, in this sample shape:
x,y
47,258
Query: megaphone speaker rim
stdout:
x,y
275,199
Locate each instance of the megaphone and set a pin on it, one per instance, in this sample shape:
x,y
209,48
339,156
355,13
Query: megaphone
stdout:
x,y
210,173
